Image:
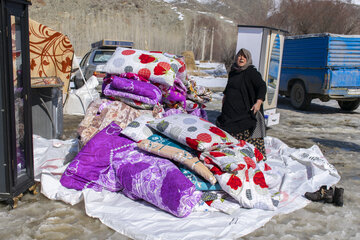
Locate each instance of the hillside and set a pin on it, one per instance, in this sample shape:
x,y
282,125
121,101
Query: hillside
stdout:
x,y
167,25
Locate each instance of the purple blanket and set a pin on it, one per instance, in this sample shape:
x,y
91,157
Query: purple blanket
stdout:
x,y
113,162
156,180
92,167
174,94
133,89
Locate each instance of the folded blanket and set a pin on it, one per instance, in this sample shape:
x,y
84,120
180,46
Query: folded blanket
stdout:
x,y
179,155
92,167
174,94
198,94
198,111
173,111
102,112
134,103
112,161
133,89
136,87
155,180
238,169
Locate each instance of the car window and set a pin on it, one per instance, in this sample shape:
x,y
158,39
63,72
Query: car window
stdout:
x,y
102,56
85,59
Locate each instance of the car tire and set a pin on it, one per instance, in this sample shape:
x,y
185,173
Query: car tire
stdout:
x,y
78,83
349,105
298,96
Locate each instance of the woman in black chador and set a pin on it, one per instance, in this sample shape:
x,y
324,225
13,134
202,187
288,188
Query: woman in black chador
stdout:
x,y
243,97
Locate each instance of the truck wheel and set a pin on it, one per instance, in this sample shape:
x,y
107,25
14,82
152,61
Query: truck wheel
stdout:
x,y
299,97
349,105
78,83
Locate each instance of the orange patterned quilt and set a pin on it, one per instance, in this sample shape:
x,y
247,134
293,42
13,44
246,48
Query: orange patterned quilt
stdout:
x,y
51,54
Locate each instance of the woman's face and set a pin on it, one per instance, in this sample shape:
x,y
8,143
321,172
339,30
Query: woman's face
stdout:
x,y
241,61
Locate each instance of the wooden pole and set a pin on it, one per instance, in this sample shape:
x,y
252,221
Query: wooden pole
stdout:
x,y
212,43
203,46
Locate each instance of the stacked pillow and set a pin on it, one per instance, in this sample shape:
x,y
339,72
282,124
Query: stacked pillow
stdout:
x,y
153,66
165,147
197,133
137,130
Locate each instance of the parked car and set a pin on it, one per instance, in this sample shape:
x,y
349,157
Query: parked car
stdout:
x,y
324,66
94,61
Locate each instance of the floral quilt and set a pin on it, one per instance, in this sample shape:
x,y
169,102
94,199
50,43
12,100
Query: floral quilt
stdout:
x,y
153,66
192,131
102,112
238,171
112,161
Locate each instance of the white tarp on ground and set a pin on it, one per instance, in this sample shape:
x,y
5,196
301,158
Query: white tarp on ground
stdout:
x,y
52,154
294,172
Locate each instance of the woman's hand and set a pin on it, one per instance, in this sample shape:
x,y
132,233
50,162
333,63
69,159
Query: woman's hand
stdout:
x,y
257,106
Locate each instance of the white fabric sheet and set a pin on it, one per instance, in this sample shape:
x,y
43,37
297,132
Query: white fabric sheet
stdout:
x,y
294,172
52,154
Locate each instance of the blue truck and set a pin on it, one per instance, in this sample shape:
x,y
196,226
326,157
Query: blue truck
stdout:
x,y
324,66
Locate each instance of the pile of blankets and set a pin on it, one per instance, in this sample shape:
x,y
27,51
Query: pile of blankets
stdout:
x,y
150,140
179,163
140,81
144,79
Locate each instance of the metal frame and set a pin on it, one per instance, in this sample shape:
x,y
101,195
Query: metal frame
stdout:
x,y
14,185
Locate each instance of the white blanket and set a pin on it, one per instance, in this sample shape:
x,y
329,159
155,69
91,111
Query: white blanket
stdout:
x,y
294,172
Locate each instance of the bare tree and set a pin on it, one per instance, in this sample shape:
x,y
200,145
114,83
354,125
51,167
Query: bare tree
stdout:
x,y
316,16
199,26
228,54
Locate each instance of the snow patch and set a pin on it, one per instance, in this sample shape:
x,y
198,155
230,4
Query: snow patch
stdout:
x,y
210,82
169,1
206,1
181,16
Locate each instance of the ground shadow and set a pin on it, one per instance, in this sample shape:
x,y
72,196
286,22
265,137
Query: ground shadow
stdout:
x,y
284,103
212,115
347,146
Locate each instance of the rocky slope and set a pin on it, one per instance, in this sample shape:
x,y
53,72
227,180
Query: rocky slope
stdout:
x,y
167,25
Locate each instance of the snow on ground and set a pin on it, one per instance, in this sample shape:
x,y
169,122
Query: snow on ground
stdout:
x,y
215,69
217,75
217,96
210,82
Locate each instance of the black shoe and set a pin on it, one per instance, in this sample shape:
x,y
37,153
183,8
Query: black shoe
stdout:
x,y
316,196
328,195
339,197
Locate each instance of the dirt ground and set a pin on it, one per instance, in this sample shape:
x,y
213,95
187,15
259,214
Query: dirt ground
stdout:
x,y
71,123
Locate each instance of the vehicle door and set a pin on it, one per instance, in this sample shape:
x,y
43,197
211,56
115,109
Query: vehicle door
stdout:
x,y
84,62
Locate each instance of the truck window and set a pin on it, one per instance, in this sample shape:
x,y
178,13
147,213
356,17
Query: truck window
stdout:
x,y
102,56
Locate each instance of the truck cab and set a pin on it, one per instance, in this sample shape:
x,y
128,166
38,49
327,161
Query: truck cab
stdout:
x,y
324,66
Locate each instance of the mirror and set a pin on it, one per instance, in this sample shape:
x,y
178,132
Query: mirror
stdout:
x,y
273,70
17,51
